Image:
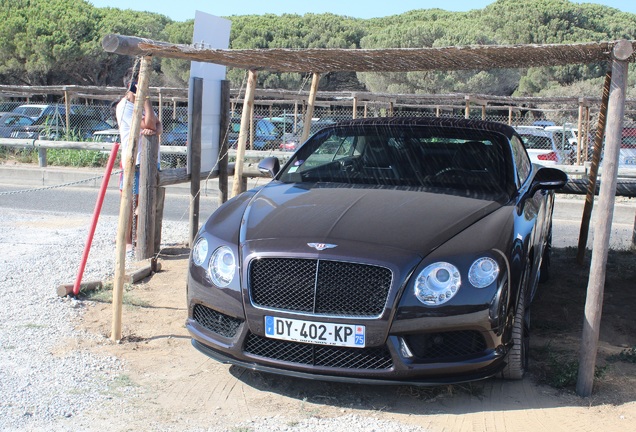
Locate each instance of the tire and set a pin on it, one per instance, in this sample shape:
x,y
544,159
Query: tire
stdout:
x,y
544,270
517,360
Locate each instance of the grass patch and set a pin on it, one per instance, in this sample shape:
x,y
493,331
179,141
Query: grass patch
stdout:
x,y
76,158
628,355
105,295
33,326
561,369
56,157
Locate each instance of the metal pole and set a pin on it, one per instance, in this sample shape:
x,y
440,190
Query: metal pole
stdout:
x,y
594,300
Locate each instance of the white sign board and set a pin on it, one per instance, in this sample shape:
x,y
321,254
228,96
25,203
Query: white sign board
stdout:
x,y
210,32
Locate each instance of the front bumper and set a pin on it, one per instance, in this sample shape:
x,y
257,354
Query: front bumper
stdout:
x,y
394,360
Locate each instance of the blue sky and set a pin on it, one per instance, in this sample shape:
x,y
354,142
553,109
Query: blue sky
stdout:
x,y
181,10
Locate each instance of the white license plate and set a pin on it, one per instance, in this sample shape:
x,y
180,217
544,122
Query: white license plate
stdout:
x,y
347,335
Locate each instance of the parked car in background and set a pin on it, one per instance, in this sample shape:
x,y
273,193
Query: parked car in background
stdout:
x,y
627,155
174,134
10,121
39,111
291,141
268,132
547,147
387,250
106,135
54,128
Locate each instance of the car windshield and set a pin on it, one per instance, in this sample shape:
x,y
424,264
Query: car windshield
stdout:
x,y
537,142
29,111
404,156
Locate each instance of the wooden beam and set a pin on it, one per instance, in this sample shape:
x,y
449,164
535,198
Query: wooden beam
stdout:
x,y
248,103
310,107
125,205
195,107
594,299
593,174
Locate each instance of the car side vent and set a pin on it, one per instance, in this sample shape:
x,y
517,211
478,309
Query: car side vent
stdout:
x,y
215,321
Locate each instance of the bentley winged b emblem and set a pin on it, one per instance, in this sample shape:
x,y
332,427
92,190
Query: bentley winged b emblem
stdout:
x,y
321,246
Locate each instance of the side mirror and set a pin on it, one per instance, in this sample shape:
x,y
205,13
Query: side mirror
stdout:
x,y
269,165
548,179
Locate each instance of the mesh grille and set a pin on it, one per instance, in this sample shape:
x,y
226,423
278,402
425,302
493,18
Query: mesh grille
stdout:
x,y
446,345
216,321
320,287
319,355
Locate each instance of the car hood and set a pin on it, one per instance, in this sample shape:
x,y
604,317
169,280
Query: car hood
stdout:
x,y
411,220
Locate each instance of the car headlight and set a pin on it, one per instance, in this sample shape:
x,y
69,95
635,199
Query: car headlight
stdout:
x,y
222,266
437,283
200,251
483,272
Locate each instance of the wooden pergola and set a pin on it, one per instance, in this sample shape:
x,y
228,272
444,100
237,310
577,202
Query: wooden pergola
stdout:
x,y
618,54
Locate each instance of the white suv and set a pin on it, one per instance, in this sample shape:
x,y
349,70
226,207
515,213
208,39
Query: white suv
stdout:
x,y
547,147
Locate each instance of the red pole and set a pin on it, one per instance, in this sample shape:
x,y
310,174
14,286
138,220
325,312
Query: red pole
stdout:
x,y
98,209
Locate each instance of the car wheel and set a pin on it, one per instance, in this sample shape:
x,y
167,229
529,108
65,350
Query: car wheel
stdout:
x,y
517,361
544,270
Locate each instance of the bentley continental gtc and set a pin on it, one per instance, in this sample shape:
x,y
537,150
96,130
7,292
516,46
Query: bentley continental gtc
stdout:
x,y
387,250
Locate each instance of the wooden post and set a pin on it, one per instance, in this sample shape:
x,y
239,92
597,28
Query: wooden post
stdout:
x,y
295,116
366,109
225,127
483,112
390,114
437,111
195,107
161,199
580,133
147,197
126,197
251,113
509,116
310,107
596,158
248,103
354,109
594,300
586,137
67,105
160,111
467,109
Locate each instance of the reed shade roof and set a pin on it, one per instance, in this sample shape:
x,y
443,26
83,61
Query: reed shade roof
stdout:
x,y
382,60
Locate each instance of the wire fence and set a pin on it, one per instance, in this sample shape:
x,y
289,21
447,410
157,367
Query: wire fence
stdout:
x,y
550,132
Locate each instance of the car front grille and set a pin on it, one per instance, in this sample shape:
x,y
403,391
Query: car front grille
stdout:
x,y
319,355
215,321
319,286
446,345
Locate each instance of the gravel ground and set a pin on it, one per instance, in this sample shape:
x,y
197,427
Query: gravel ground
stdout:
x,y
45,389
42,250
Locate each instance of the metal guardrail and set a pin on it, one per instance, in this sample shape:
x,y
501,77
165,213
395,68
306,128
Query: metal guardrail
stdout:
x,y
577,185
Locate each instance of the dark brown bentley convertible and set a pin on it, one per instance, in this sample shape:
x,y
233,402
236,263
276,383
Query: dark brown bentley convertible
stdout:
x,y
391,250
